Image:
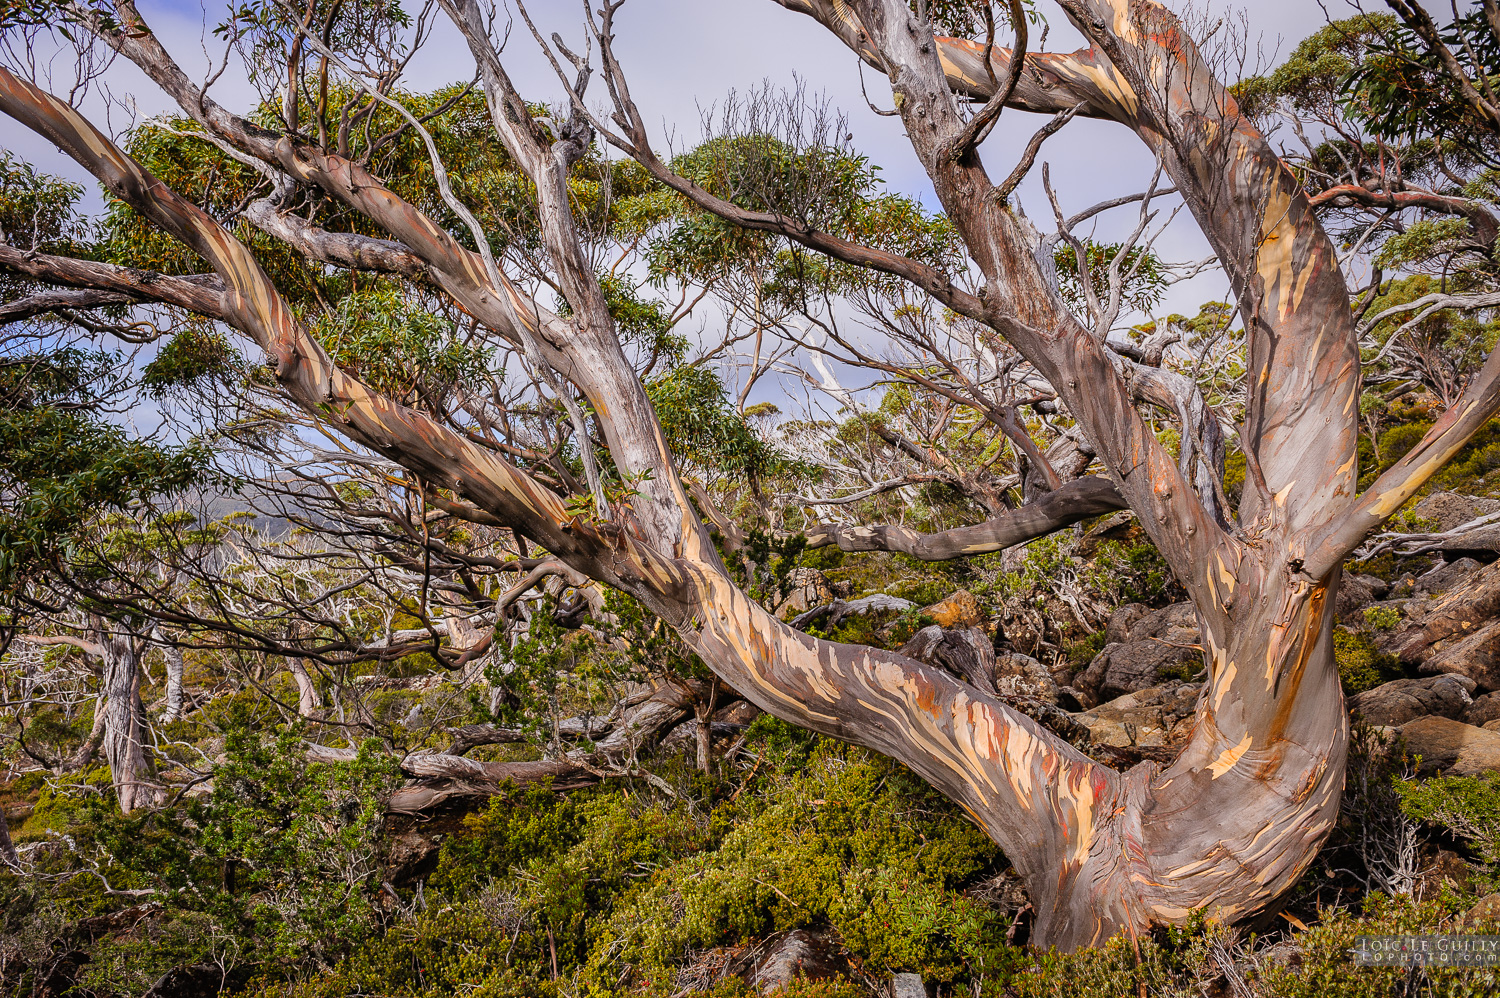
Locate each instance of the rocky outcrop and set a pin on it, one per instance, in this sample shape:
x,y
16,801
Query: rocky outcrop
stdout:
x,y
809,588
1450,510
961,609
908,986
1445,575
1456,633
1141,645
1405,700
1484,711
1450,747
1018,675
1159,717
1356,592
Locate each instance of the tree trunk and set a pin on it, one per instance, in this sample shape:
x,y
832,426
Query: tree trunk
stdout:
x,y
119,702
309,703
172,703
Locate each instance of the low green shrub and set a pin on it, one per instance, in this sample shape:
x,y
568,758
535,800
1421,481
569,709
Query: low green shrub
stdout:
x,y
1362,666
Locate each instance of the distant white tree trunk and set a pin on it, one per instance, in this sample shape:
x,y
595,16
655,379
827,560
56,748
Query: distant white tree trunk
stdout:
x,y
172,706
308,701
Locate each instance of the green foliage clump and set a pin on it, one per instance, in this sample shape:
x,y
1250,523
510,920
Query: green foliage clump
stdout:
x,y
1362,666
195,355
1143,273
61,463
703,429
610,890
845,838
1382,618
1082,652
1468,806
37,211
400,349
921,591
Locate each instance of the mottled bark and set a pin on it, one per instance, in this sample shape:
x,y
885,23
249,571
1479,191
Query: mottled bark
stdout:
x,y
8,854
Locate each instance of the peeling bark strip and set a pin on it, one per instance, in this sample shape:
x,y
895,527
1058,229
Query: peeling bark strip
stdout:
x,y
1230,825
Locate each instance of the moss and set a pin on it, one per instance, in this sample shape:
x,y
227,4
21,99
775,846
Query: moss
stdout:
x,y
824,558
1361,665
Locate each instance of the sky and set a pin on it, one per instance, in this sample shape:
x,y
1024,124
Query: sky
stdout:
x,y
682,56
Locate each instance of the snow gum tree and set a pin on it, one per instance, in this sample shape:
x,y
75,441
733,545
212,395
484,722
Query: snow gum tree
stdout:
x,y
1228,826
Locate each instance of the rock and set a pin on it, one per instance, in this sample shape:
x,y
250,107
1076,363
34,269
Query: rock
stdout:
x,y
1451,509
1450,747
1160,717
1404,700
1286,953
1454,633
908,986
1122,620
961,609
1483,710
799,953
1486,910
1018,675
1156,641
1445,575
1354,595
809,588
1378,587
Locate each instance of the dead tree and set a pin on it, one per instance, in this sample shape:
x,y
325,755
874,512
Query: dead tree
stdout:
x,y
1232,823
